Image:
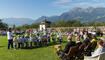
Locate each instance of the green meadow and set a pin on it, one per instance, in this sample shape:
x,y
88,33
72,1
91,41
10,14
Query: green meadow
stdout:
x,y
42,53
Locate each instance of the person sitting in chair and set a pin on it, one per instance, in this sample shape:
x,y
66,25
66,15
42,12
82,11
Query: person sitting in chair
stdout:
x,y
94,39
69,44
86,40
100,49
67,47
78,42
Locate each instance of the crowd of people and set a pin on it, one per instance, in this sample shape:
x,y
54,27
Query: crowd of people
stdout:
x,y
30,39
3,33
88,50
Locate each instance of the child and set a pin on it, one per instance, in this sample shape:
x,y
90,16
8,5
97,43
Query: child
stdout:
x,y
40,40
59,50
48,36
60,38
53,39
35,40
22,41
30,40
15,42
26,40
19,41
45,40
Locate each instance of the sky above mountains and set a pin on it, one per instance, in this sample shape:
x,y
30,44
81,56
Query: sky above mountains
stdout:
x,y
36,8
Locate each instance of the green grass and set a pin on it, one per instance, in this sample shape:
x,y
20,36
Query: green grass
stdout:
x,y
42,53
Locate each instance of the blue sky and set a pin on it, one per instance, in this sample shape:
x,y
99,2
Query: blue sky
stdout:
x,y
37,8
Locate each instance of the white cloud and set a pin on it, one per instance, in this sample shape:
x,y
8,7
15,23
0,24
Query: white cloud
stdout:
x,y
71,5
62,1
77,3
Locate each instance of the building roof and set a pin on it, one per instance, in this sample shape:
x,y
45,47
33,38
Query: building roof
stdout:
x,y
45,22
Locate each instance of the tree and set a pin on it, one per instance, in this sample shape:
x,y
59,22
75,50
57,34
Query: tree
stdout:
x,y
3,25
34,25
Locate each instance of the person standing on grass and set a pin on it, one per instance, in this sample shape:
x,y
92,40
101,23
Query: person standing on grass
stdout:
x,y
26,40
19,41
30,40
10,38
15,43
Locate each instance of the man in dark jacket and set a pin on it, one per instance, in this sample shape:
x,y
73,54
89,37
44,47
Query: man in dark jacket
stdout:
x,y
67,47
86,40
69,44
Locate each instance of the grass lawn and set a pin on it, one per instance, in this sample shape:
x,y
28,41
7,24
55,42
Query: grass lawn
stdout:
x,y
42,53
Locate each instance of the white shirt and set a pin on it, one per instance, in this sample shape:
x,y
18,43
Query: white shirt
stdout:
x,y
98,52
31,38
9,35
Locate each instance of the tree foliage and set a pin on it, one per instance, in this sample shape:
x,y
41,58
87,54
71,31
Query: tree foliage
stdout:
x,y
3,25
26,26
62,23
69,23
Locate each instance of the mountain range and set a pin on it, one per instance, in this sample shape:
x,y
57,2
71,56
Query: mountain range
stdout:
x,y
85,15
17,21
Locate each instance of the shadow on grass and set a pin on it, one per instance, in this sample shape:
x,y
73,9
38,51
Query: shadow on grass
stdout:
x,y
2,46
